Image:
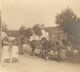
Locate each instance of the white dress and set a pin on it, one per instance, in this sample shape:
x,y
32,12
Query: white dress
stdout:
x,y
6,52
14,51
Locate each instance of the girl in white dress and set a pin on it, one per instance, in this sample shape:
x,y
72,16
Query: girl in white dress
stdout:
x,y
14,53
6,53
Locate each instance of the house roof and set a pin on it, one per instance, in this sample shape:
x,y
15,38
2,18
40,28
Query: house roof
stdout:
x,y
13,33
3,34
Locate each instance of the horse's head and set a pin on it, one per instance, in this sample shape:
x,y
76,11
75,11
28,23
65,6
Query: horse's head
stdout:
x,y
43,40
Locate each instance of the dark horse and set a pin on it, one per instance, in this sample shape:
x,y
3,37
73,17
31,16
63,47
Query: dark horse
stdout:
x,y
46,46
34,44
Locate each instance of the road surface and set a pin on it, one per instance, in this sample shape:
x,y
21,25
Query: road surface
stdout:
x,y
28,63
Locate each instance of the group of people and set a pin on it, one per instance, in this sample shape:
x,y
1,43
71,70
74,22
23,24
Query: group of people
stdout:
x,y
9,51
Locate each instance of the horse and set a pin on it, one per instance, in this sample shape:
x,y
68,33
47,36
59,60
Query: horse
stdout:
x,y
34,44
46,47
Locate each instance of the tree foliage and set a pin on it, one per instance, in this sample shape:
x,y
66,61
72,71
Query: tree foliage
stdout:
x,y
37,30
22,30
28,32
69,22
49,30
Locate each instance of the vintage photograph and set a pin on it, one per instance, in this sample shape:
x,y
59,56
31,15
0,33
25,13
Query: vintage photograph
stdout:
x,y
39,35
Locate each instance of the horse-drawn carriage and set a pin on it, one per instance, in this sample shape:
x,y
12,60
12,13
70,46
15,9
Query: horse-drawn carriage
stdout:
x,y
44,46
49,48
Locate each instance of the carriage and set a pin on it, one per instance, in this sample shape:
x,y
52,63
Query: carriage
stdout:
x,y
48,48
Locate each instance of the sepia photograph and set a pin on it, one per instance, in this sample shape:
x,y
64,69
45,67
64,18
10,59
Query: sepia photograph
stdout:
x,y
39,35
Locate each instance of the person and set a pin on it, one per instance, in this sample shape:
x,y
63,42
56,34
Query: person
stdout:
x,y
62,53
44,43
14,54
58,51
5,52
33,47
10,49
20,45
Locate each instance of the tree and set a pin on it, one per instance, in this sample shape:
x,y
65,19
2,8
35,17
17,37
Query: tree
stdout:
x,y
37,30
22,30
41,26
69,22
4,26
28,33
50,30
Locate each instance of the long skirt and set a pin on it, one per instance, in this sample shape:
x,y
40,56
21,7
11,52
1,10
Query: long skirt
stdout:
x,y
14,51
5,52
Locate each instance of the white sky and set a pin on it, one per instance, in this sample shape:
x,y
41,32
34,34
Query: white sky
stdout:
x,y
30,12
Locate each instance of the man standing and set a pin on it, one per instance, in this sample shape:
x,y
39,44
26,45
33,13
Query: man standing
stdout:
x,y
21,42
33,47
58,51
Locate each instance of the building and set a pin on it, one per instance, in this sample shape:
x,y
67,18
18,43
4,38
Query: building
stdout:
x,y
12,34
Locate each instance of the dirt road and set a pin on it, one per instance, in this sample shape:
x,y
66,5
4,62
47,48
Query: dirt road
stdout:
x,y
28,63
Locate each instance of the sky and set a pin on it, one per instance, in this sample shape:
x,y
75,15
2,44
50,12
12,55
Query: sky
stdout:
x,y
30,12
